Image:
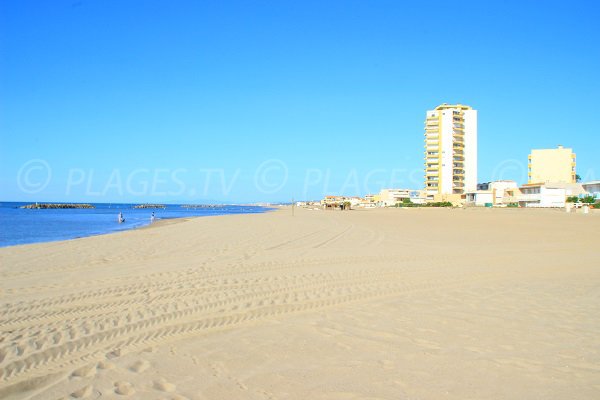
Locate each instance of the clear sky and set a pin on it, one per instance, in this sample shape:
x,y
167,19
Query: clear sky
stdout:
x,y
243,101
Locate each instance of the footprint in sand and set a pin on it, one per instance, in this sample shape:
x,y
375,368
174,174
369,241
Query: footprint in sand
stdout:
x,y
217,370
84,372
105,365
124,388
164,386
114,354
140,366
82,393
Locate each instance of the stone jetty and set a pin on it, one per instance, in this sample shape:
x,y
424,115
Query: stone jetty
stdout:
x,y
56,206
150,206
200,206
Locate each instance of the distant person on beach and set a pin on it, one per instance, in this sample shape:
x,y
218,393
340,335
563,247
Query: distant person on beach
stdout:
x,y
152,217
120,218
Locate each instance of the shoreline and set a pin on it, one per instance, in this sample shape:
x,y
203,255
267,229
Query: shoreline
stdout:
x,y
171,221
142,225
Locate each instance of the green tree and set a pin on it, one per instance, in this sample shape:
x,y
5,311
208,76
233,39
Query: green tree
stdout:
x,y
589,199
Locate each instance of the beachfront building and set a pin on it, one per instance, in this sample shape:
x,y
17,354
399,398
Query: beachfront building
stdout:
x,y
389,197
503,192
479,198
552,165
592,188
450,151
370,198
368,201
355,201
307,204
346,203
364,203
541,195
418,196
332,202
497,193
548,194
341,202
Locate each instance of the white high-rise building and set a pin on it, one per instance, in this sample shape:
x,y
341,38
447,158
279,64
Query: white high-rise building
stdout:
x,y
450,150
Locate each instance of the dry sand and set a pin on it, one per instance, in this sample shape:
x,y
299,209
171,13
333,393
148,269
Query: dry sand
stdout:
x,y
378,304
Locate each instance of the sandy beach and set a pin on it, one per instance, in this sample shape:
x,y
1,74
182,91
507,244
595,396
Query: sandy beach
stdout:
x,y
374,304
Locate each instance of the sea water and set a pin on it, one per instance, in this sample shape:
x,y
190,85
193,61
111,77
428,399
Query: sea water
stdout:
x,y
22,226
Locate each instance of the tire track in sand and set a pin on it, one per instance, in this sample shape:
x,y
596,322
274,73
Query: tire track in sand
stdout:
x,y
156,322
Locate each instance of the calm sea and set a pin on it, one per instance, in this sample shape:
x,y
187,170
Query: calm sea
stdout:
x,y
21,226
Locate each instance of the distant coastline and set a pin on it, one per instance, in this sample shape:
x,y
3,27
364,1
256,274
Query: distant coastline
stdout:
x,y
23,224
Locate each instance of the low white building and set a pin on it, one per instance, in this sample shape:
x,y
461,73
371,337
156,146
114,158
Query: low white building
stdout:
x,y
418,196
495,193
536,195
548,194
592,188
503,191
355,201
389,197
479,198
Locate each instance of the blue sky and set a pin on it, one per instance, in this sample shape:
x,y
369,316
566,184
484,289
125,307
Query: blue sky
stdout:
x,y
265,101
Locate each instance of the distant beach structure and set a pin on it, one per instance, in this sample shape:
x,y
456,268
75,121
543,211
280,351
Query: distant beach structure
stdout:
x,y
150,206
56,206
200,205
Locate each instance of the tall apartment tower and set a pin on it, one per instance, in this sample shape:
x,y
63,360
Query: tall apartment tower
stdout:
x,y
552,165
450,150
